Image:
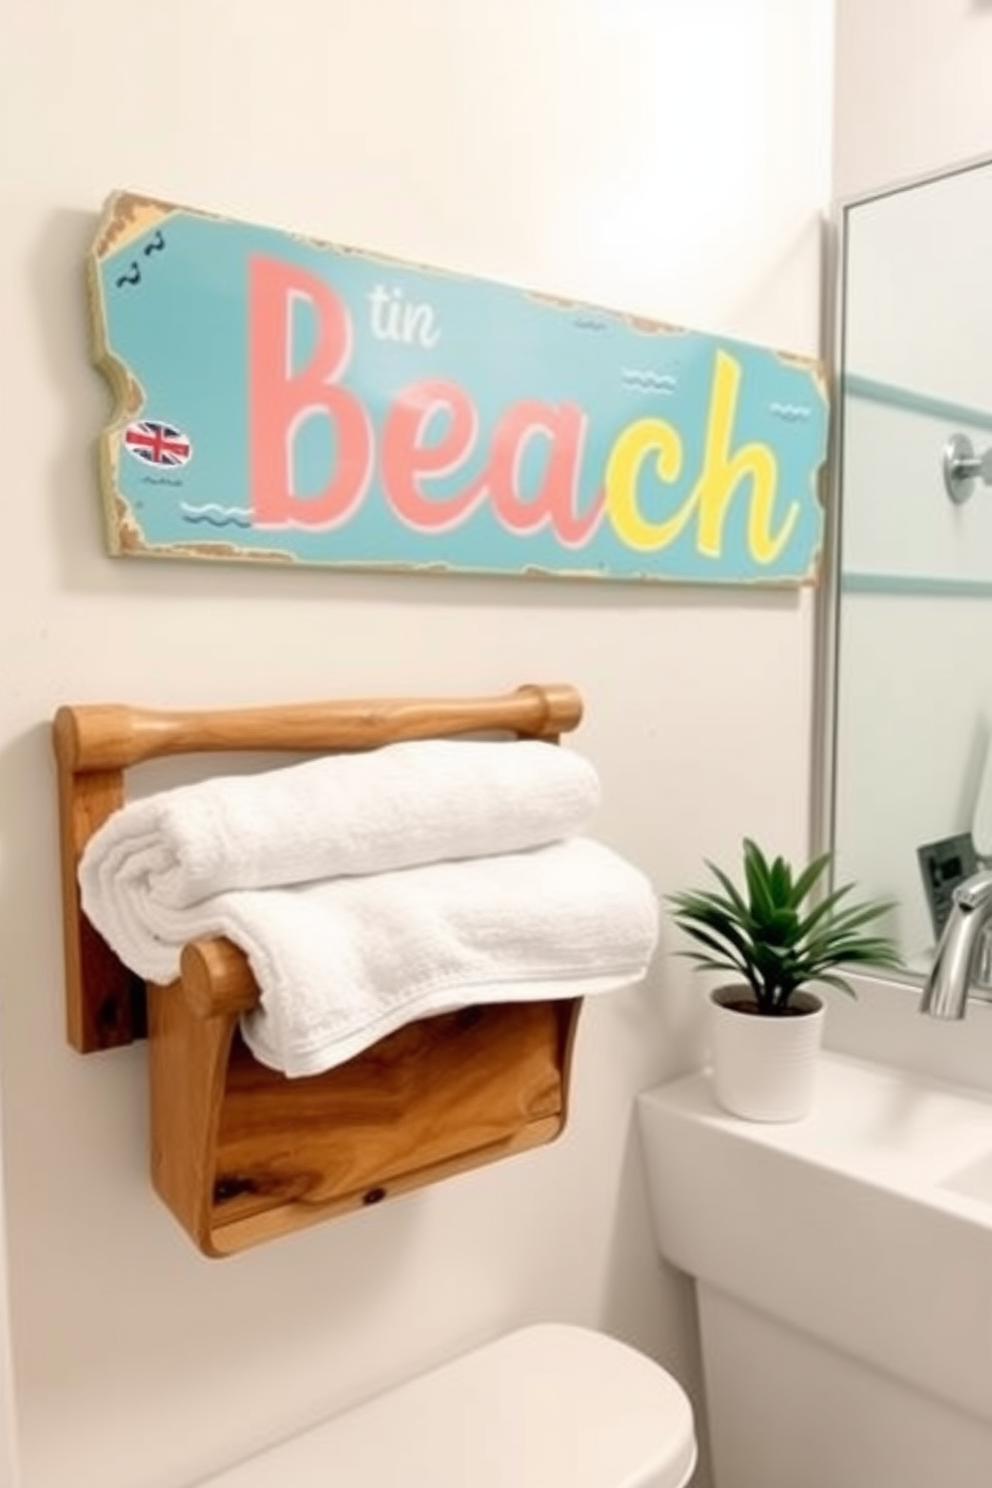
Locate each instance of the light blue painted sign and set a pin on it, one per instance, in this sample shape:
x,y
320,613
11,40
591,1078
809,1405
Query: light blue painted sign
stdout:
x,y
285,400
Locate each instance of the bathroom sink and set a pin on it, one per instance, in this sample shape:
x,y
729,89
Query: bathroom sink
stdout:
x,y
868,1225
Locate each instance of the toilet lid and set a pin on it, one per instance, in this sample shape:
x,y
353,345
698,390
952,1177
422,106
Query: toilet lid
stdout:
x,y
550,1406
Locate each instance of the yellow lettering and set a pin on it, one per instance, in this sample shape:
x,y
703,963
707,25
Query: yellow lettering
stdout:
x,y
638,441
723,472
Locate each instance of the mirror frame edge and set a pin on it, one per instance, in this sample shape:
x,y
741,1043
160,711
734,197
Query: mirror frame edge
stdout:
x,y
826,642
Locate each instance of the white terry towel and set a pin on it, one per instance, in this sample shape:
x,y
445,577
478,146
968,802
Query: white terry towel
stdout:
x,y
371,812
343,962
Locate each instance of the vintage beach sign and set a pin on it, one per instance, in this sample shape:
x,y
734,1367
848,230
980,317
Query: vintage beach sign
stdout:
x,y
292,401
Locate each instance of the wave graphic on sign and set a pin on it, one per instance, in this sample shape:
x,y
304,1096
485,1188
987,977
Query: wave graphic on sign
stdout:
x,y
646,381
790,411
216,516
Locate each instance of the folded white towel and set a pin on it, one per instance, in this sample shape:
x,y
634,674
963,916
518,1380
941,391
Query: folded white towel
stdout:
x,y
395,807
341,963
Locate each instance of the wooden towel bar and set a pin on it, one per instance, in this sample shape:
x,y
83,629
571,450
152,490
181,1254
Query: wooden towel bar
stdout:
x,y
240,1153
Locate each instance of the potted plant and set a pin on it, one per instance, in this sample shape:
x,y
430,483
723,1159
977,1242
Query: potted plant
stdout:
x,y
778,936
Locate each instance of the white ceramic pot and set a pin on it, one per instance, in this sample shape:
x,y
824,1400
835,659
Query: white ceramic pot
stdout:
x,y
764,1068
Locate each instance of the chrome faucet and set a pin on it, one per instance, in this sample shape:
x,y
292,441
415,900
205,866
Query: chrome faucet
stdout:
x,y
964,952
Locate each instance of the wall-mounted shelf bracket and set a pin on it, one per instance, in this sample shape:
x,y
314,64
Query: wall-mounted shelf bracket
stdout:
x,y
240,1153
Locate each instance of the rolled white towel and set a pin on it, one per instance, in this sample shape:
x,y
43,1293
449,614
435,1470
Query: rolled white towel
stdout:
x,y
371,812
342,962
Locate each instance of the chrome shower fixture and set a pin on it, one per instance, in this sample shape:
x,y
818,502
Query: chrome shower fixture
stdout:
x,y
962,467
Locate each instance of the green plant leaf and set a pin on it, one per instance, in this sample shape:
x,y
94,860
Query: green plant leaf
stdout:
x,y
737,904
810,877
833,980
758,877
767,933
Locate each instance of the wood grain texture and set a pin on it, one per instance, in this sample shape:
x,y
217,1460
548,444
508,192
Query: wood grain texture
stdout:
x,y
96,742
103,736
436,1097
104,999
239,1153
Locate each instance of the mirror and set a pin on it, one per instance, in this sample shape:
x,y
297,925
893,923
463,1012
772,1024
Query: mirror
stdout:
x,y
908,806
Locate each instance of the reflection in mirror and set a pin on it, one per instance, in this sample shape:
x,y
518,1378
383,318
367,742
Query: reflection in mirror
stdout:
x,y
909,788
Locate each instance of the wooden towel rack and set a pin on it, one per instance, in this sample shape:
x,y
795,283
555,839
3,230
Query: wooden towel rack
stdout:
x,y
239,1153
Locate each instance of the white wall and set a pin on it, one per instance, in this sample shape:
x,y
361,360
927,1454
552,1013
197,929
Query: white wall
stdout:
x,y
910,89
663,159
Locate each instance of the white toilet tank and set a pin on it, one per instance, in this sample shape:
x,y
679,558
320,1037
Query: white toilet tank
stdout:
x,y
549,1406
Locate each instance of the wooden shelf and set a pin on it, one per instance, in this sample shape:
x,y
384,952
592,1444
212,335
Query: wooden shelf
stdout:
x,y
240,1153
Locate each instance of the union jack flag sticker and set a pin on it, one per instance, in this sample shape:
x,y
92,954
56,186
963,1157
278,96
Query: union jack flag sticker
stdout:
x,y
155,443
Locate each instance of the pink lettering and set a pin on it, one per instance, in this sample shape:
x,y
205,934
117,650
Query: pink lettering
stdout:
x,y
407,458
280,401
563,428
